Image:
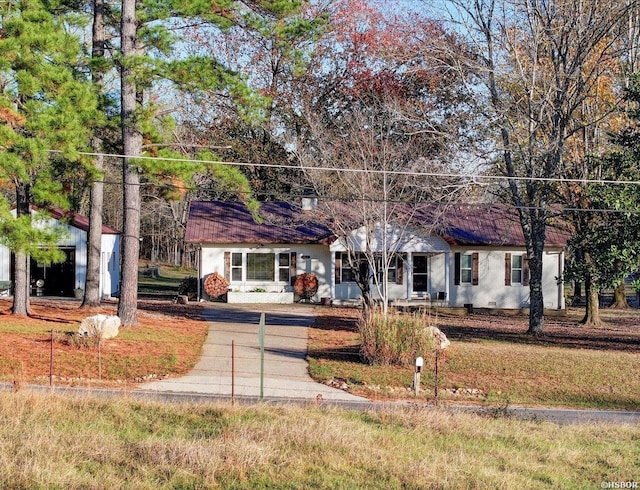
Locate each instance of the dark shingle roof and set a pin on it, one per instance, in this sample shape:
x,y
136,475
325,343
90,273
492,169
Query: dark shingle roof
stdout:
x,y
462,225
231,222
495,224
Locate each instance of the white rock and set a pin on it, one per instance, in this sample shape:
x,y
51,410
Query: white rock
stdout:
x,y
440,339
103,326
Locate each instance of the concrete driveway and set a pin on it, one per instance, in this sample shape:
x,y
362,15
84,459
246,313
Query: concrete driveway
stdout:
x,y
285,366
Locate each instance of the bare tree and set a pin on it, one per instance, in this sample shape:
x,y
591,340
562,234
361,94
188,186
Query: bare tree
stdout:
x,y
371,180
536,63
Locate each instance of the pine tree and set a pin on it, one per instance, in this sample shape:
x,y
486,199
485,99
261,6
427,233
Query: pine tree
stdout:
x,y
146,57
44,107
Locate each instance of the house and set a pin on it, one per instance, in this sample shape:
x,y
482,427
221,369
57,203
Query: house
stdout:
x,y
64,278
477,258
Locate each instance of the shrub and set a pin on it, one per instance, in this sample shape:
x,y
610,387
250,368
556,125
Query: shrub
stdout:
x,y
396,338
189,287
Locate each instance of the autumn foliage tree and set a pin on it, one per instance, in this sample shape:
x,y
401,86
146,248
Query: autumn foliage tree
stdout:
x,y
381,115
538,64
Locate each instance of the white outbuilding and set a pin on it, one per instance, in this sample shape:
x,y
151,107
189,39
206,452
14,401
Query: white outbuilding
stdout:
x,y
67,278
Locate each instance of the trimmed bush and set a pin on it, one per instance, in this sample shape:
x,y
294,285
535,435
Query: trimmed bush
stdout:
x,y
188,287
395,339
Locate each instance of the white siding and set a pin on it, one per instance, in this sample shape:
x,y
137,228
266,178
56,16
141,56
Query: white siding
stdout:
x,y
77,238
491,291
110,266
5,264
309,258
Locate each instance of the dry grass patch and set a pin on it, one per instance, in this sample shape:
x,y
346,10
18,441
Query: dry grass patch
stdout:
x,y
52,442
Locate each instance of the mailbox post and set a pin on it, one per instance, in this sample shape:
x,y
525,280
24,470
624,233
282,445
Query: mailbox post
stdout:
x,y
416,375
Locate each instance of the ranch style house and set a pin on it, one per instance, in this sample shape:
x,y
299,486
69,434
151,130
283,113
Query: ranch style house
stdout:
x,y
477,258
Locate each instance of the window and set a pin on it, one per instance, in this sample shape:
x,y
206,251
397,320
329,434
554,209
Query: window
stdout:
x,y
516,269
466,268
348,274
420,273
236,267
344,273
283,267
260,267
395,275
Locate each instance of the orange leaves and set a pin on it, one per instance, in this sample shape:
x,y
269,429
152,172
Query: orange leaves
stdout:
x,y
10,117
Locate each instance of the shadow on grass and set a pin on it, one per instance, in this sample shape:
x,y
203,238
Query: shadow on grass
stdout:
x,y
192,311
350,353
554,335
53,319
622,336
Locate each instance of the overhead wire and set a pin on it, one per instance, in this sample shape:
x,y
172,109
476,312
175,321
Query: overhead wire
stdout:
x,y
284,195
370,171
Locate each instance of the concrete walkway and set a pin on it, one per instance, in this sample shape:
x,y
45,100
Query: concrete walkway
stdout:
x,y
285,365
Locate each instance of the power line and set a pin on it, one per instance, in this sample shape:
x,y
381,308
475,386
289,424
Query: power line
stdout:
x,y
470,176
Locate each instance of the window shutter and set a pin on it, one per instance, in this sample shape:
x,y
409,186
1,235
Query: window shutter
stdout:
x,y
474,271
338,268
525,270
227,266
399,269
507,269
456,273
293,268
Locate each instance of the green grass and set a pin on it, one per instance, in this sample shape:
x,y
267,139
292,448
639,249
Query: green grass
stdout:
x,y
165,283
53,442
533,374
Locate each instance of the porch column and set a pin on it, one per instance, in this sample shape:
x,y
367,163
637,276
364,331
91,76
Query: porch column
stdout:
x,y
561,305
447,260
409,274
332,261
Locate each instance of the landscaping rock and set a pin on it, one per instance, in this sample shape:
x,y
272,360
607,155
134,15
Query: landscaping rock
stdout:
x,y
440,339
102,326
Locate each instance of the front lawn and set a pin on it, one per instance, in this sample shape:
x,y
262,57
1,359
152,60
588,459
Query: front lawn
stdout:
x,y
168,341
492,360
51,441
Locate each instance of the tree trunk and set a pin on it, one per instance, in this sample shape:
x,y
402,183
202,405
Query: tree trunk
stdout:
x,y
94,239
620,297
535,243
577,293
536,300
592,310
20,285
21,266
132,140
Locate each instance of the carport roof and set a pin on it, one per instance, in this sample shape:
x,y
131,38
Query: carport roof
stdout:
x,y
78,221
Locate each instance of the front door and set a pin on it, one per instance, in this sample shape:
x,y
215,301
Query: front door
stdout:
x,y
420,274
